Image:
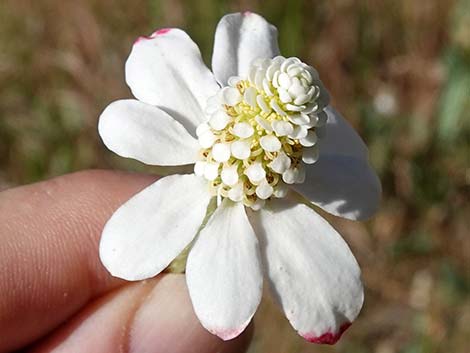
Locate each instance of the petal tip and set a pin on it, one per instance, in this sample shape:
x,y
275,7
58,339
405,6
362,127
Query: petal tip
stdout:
x,y
328,337
160,32
141,38
228,334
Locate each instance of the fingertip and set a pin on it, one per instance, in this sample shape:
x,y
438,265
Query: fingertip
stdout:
x,y
145,317
102,326
49,234
166,322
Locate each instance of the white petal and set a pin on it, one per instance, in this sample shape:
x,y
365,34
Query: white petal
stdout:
x,y
312,273
255,172
259,77
262,104
299,132
236,193
284,80
276,80
241,149
280,190
199,168
277,108
288,62
239,39
281,163
137,130
312,121
294,175
167,71
270,143
309,140
296,88
147,232
341,138
202,128
302,99
243,130
299,119
274,67
264,190
312,108
282,128
230,96
267,87
211,171
207,139
250,96
295,108
343,186
213,104
229,175
232,81
223,272
284,96
265,124
221,152
219,120
310,155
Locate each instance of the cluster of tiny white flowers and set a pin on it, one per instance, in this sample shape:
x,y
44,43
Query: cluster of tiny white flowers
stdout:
x,y
261,130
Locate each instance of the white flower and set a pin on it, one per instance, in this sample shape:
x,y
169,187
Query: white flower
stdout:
x,y
258,119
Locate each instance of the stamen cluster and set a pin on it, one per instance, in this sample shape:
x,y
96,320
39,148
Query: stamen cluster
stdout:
x,y
261,131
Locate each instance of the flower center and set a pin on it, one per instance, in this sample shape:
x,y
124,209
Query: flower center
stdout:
x,y
261,131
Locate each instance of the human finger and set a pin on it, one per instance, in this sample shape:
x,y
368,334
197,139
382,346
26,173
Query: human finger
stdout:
x,y
49,234
148,317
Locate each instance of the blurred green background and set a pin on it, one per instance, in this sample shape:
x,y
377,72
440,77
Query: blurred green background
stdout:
x,y
398,70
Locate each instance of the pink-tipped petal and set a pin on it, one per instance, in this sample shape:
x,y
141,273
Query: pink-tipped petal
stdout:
x,y
158,32
327,337
161,31
312,273
141,38
223,272
229,334
166,70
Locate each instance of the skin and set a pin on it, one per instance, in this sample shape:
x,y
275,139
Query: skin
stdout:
x,y
55,295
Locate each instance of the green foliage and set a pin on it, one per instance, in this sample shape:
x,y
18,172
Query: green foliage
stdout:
x,y
454,117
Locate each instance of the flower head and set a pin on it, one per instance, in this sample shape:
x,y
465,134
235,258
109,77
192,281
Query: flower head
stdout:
x,y
265,145
261,131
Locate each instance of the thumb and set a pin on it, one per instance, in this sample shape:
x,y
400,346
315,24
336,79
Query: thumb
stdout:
x,y
148,317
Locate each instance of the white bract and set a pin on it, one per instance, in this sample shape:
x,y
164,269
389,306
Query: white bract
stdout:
x,y
264,143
